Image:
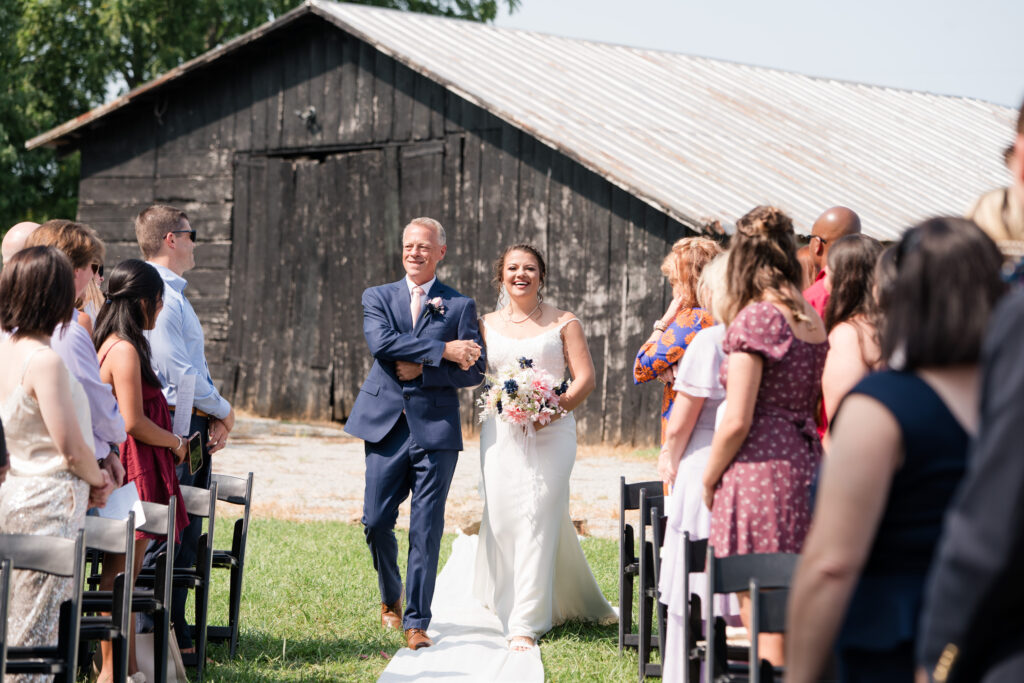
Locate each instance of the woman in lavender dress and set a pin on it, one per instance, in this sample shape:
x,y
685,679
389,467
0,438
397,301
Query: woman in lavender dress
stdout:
x,y
766,450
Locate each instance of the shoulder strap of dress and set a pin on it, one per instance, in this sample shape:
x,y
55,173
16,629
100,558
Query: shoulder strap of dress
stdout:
x,y
566,322
28,359
107,352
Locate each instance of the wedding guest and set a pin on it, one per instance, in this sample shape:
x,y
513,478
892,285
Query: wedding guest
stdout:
x,y
766,449
682,320
134,300
71,341
851,317
168,241
14,239
91,300
899,447
830,226
53,475
1000,212
691,425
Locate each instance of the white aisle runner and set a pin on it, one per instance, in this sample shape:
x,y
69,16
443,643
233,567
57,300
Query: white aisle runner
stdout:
x,y
468,641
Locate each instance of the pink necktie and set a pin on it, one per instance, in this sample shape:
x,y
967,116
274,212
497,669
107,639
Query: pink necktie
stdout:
x,y
416,304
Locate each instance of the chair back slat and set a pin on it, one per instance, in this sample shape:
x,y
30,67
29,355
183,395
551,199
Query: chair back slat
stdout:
x,y
156,518
47,554
771,607
732,574
697,555
107,535
231,489
199,502
631,493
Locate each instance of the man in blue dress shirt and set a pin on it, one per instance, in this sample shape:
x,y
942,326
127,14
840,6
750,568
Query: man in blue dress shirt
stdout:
x,y
168,243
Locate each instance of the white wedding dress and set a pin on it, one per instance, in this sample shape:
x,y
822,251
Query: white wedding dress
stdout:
x,y
526,571
530,568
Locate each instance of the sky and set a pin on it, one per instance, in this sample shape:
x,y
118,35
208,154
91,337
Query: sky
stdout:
x,y
971,48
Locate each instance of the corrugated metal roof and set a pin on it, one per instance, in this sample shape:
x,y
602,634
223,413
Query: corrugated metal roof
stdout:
x,y
702,138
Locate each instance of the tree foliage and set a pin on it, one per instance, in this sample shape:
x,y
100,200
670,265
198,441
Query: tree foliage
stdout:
x,y
69,56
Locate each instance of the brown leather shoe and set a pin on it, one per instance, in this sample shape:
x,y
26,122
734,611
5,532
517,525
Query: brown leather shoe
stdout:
x,y
417,638
391,615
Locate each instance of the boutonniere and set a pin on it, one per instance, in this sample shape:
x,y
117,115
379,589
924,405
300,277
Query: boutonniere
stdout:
x,y
435,306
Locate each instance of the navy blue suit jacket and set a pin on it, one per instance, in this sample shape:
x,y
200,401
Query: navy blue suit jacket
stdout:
x,y
430,402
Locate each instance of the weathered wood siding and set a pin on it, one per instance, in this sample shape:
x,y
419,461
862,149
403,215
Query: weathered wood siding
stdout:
x,y
295,220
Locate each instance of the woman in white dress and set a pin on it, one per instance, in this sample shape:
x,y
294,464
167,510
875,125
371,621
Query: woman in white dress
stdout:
x,y
530,568
691,425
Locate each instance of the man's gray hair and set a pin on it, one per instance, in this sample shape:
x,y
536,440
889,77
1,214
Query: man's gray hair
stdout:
x,y
428,223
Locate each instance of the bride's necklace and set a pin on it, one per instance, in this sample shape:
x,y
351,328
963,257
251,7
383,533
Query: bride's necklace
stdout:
x,y
508,316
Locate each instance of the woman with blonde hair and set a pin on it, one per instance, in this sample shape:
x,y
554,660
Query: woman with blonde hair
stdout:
x,y
766,449
691,426
683,319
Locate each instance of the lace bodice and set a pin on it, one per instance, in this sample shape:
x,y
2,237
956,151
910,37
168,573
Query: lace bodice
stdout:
x,y
546,350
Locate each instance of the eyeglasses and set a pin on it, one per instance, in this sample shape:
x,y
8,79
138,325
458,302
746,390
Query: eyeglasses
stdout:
x,y
191,233
97,269
819,237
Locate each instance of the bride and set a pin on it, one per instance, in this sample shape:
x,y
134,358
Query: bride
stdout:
x,y
530,569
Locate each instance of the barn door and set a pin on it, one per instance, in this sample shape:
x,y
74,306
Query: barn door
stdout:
x,y
309,235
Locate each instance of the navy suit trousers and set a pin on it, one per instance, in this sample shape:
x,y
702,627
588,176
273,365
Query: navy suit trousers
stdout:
x,y
395,467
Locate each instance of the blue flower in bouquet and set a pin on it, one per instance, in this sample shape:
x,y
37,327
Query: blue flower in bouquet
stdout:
x,y
498,406
525,362
511,387
562,388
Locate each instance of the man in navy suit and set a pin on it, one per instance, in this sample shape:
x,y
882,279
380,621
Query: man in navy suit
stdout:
x,y
426,344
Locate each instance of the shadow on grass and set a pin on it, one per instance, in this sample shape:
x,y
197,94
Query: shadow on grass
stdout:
x,y
583,632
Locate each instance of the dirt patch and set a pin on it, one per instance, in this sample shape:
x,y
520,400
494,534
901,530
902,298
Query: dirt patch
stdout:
x,y
315,472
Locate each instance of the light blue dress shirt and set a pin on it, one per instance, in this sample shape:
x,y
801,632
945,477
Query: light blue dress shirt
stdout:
x,y
178,348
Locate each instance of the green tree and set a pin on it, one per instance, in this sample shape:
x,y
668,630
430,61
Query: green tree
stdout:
x,y
69,56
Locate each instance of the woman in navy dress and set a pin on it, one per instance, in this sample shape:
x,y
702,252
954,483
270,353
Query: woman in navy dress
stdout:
x,y
898,451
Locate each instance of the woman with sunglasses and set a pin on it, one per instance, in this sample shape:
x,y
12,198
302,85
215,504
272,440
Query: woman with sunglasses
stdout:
x,y
898,452
73,344
134,299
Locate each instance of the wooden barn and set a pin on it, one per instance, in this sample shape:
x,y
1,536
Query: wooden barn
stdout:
x,y
300,149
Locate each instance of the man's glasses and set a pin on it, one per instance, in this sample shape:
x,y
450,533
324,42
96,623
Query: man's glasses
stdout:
x,y
97,269
191,233
819,237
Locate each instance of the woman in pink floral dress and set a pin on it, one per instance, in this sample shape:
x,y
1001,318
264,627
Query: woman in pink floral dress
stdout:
x,y
766,450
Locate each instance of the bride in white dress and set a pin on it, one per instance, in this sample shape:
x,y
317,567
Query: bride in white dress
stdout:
x,y
530,568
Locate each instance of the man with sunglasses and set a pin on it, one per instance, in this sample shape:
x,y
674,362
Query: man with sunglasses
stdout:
x,y
834,223
167,241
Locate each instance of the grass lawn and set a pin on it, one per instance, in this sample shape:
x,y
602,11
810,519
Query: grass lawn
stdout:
x,y
310,611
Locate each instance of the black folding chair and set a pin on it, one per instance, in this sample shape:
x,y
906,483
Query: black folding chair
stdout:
x,y
200,503
629,562
694,555
732,575
767,615
238,492
650,558
155,598
5,596
58,557
114,536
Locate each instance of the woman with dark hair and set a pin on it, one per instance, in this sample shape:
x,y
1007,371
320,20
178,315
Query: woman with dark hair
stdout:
x,y
134,299
851,317
766,449
530,568
898,452
54,476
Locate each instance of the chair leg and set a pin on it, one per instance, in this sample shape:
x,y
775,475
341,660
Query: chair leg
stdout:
x,y
645,634
234,607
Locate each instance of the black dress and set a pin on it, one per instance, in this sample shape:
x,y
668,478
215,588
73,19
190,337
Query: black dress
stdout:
x,y
876,642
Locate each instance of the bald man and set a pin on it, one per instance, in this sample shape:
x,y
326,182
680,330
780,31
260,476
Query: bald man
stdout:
x,y
14,240
834,223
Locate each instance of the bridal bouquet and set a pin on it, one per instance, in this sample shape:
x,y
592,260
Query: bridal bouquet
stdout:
x,y
521,394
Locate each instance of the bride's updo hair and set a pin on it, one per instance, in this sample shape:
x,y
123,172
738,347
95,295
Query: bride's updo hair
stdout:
x,y
499,264
762,260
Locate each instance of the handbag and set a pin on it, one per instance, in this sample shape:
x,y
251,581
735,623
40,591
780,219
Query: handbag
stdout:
x,y
145,656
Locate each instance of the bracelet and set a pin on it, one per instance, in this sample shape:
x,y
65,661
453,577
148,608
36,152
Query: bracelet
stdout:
x,y
180,441
659,325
